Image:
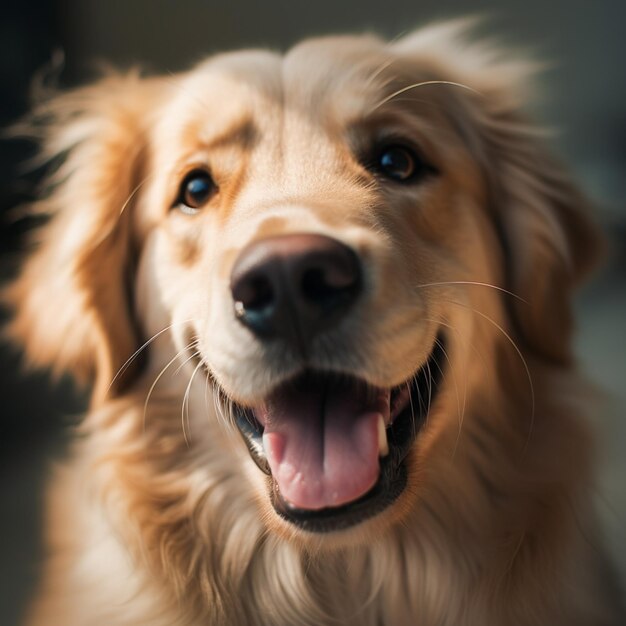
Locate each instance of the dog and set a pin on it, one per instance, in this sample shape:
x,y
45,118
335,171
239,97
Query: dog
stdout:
x,y
322,301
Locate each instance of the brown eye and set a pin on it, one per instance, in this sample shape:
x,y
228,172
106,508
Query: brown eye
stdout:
x,y
399,163
195,191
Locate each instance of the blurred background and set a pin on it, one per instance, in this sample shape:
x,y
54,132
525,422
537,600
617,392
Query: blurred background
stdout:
x,y
585,102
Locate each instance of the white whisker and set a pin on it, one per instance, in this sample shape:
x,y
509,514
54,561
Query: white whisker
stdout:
x,y
135,354
472,282
379,70
134,192
185,404
422,84
521,357
156,380
193,344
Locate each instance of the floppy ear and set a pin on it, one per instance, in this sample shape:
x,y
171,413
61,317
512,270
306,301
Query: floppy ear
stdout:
x,y
549,239
544,221
71,306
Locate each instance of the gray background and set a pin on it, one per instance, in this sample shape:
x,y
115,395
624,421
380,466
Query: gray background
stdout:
x,y
585,100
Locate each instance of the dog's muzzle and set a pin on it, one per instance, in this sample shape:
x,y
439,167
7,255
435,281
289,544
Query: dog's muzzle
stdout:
x,y
333,446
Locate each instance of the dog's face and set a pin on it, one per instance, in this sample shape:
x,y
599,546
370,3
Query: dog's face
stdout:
x,y
302,235
330,237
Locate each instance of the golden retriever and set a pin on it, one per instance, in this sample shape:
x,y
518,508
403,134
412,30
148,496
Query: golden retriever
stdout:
x,y
324,301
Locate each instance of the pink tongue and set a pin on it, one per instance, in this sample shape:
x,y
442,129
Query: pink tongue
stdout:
x,y
321,442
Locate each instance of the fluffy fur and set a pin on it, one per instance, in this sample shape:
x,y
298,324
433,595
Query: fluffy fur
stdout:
x,y
159,515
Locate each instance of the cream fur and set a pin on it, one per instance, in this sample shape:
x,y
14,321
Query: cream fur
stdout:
x,y
159,516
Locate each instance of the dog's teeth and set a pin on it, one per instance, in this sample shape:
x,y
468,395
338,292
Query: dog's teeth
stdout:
x,y
383,445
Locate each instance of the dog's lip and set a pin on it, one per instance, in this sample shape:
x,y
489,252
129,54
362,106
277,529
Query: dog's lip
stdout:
x,y
406,417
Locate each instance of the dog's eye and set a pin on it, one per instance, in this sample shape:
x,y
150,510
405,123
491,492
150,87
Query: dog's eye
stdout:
x,y
195,191
398,163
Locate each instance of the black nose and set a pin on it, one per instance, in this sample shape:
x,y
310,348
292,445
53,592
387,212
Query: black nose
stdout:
x,y
294,286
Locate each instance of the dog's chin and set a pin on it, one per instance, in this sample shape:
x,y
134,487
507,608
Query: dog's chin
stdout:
x,y
334,448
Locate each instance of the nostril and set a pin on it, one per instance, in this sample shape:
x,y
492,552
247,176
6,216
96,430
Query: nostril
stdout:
x,y
314,285
329,277
325,287
255,300
256,293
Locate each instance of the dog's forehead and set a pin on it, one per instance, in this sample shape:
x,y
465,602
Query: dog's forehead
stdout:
x,y
343,74
334,66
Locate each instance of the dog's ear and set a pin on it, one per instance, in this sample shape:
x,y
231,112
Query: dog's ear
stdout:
x,y
549,239
71,307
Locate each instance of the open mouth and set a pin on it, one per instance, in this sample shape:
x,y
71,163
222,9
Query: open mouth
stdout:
x,y
333,446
